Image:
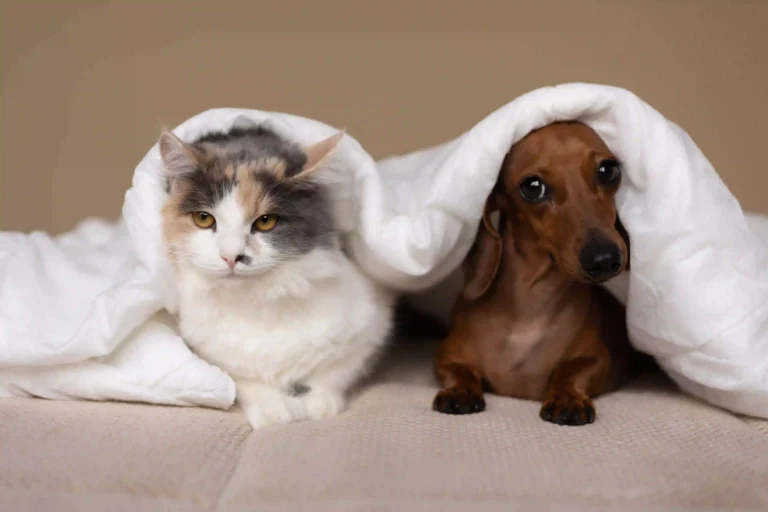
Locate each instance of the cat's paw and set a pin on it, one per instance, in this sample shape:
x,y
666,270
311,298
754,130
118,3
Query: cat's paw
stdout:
x,y
273,410
319,404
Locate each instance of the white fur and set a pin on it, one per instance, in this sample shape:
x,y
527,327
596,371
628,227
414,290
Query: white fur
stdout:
x,y
314,320
205,249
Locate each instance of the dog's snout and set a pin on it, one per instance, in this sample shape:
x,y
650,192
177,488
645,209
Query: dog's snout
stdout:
x,y
601,260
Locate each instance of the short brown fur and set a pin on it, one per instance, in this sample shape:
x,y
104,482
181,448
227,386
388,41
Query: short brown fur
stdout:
x,y
530,324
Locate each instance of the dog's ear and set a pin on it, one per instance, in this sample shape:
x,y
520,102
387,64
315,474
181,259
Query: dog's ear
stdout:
x,y
482,262
624,236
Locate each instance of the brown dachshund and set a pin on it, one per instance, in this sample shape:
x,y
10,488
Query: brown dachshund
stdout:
x,y
531,322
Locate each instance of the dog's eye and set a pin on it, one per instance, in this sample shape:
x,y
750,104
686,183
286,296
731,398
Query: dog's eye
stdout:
x,y
533,189
608,172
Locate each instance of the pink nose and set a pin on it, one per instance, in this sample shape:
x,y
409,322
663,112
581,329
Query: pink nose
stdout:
x,y
230,263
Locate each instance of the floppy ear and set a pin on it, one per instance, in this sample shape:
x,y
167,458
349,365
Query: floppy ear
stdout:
x,y
624,236
482,262
318,152
179,158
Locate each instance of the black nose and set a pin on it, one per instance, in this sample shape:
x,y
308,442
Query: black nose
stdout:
x,y
600,260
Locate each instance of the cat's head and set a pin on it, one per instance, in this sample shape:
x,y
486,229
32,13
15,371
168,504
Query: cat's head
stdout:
x,y
243,202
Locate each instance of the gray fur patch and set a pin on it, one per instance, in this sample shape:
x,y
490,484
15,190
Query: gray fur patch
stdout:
x,y
304,214
299,389
244,144
245,260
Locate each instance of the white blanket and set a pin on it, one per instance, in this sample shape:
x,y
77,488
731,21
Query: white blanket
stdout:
x,y
80,314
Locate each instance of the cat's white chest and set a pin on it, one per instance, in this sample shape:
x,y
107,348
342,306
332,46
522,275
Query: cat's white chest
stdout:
x,y
281,340
248,340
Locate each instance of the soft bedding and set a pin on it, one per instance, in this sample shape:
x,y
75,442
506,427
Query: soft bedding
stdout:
x,y
88,315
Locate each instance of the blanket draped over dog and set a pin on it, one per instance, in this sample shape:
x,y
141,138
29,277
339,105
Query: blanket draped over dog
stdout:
x,y
81,315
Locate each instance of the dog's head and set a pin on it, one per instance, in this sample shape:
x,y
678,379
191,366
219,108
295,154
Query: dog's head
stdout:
x,y
556,189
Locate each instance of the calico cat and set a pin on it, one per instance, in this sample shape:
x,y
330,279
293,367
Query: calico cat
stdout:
x,y
265,292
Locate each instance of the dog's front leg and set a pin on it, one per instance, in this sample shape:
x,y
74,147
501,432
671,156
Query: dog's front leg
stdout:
x,y
567,401
462,391
581,375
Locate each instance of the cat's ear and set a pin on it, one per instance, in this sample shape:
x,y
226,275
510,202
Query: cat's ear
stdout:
x,y
179,158
318,152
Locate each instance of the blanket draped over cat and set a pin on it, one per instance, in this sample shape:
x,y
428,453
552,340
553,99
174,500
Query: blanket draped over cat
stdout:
x,y
79,313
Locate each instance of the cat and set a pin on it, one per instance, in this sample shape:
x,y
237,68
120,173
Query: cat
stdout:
x,y
265,290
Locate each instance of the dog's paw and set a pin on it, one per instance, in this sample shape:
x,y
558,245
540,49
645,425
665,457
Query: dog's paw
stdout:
x,y
563,409
272,410
319,404
458,401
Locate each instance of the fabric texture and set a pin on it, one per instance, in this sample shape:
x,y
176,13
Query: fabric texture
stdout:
x,y
651,449
77,311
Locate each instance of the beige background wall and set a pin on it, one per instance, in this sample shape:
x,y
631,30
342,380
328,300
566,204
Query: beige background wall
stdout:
x,y
85,87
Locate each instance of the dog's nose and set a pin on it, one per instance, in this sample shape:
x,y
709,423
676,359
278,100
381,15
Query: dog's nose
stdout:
x,y
600,260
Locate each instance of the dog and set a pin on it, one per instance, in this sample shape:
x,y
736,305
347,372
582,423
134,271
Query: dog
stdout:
x,y
532,321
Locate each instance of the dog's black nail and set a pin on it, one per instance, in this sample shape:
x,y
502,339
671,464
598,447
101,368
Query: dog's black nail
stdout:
x,y
591,414
578,417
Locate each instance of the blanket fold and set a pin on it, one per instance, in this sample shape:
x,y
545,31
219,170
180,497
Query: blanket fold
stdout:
x,y
81,314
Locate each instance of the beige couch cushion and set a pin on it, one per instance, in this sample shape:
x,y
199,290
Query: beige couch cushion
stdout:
x,y
99,453
651,449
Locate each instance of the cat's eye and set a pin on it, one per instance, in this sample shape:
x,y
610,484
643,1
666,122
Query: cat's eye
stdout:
x,y
265,223
203,220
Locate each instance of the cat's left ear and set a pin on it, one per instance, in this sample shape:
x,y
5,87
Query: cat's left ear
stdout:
x,y
318,152
179,158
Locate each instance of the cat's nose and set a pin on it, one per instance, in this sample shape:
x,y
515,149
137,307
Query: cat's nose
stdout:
x,y
231,262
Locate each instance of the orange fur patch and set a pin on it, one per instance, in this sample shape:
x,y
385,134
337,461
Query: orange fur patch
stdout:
x,y
251,193
176,224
